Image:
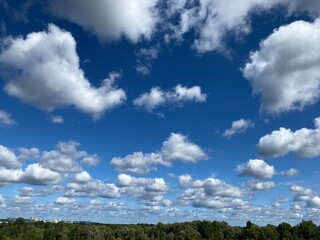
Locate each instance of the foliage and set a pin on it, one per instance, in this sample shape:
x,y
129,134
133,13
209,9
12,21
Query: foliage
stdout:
x,y
21,229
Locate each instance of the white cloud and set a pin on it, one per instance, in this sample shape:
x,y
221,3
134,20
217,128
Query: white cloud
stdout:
x,y
110,20
149,191
8,158
25,153
179,148
145,57
176,148
90,161
5,118
216,187
137,162
57,119
66,158
85,186
301,193
149,184
314,202
291,172
35,174
40,192
213,20
238,127
262,185
256,168
43,70
303,142
17,200
10,175
185,180
177,96
64,200
276,69
209,193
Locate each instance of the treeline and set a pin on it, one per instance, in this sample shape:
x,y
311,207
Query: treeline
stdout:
x,y
196,230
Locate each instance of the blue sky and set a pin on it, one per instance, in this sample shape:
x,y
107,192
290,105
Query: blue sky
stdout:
x,y
151,110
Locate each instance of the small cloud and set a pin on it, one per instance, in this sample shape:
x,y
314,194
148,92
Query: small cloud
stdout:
x,y
64,200
145,58
5,118
57,119
238,127
259,186
291,172
177,96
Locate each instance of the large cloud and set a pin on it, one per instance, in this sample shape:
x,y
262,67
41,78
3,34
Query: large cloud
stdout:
x,y
176,148
110,19
177,96
284,71
303,142
43,70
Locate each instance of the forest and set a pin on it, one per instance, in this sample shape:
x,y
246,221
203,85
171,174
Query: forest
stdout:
x,y
20,229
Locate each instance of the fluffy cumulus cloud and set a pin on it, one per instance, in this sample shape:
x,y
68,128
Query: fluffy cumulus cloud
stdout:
x,y
304,143
214,20
238,127
8,158
314,202
66,158
110,20
138,162
258,186
177,96
185,180
209,193
5,119
290,172
35,174
48,168
256,168
176,148
84,185
43,70
149,191
300,193
179,148
276,69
